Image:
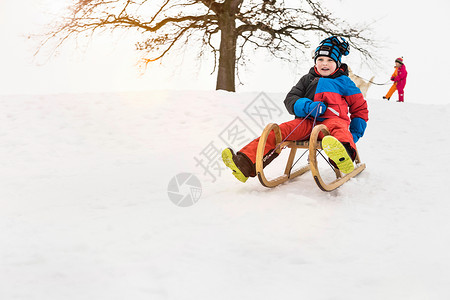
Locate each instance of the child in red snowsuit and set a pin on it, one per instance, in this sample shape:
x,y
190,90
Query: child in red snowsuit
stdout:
x,y
323,96
399,79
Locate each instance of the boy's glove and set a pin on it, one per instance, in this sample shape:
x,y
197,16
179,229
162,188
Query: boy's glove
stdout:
x,y
357,128
304,107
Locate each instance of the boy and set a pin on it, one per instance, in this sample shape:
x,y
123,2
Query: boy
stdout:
x,y
324,96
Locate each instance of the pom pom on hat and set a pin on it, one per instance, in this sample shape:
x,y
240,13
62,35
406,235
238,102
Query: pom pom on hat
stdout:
x,y
333,47
399,60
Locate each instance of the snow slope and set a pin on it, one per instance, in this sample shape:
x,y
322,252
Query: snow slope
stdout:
x,y
85,211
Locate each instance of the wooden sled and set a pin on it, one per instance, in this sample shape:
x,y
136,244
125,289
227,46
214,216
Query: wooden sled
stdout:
x,y
314,146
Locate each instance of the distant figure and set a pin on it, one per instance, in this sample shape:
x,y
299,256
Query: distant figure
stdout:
x,y
360,83
399,79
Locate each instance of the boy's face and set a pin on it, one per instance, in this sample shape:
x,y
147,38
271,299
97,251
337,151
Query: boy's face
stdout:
x,y
325,65
398,65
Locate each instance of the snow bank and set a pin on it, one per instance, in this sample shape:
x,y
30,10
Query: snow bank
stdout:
x,y
85,212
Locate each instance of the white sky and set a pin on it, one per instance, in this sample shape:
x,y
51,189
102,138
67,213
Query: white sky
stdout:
x,y
415,30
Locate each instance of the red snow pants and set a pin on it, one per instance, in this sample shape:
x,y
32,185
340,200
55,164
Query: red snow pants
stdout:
x,y
337,127
399,88
401,92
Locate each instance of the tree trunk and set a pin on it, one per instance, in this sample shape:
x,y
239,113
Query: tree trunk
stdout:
x,y
227,57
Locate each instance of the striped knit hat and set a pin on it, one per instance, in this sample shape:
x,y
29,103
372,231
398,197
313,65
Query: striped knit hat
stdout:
x,y
333,47
399,60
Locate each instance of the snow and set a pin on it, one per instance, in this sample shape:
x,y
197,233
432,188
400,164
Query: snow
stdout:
x,y
85,211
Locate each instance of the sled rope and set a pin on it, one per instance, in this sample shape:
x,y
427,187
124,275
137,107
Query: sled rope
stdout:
x,y
370,81
304,152
320,152
278,146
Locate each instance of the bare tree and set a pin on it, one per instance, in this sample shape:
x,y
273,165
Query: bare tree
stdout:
x,y
238,27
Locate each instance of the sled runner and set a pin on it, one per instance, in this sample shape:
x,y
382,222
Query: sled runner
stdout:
x,y
314,146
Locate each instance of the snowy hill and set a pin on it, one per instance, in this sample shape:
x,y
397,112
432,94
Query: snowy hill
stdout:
x,y
85,210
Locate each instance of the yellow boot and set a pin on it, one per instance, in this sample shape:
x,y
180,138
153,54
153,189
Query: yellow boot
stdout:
x,y
227,157
338,154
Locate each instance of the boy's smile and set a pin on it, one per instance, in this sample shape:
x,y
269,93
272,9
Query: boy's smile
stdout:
x,y
325,65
